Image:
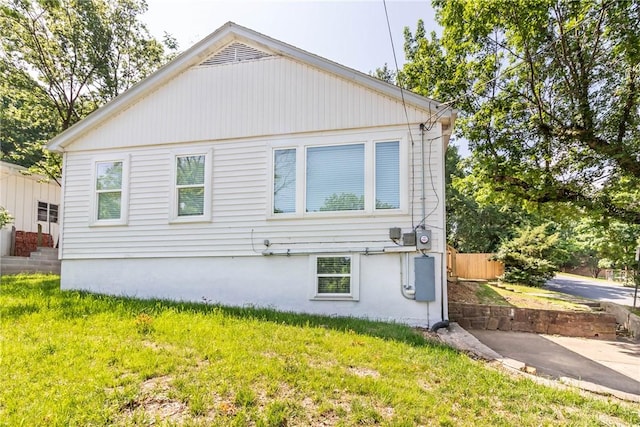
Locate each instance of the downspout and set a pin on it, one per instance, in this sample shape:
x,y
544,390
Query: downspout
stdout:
x,y
444,323
406,289
422,185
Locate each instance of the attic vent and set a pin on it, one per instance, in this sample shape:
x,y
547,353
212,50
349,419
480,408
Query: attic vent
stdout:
x,y
235,52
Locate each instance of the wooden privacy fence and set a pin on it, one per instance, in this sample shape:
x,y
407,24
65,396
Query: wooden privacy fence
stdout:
x,y
472,266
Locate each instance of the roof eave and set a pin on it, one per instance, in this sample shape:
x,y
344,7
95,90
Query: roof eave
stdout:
x,y
165,73
201,50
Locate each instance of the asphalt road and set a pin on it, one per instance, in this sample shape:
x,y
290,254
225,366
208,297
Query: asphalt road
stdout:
x,y
593,289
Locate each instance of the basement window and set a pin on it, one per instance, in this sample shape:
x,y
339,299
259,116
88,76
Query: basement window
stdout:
x,y
335,277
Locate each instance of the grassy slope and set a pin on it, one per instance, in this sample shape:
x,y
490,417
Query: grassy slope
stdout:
x,y
71,358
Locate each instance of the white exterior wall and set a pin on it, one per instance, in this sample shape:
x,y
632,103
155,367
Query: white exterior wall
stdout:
x,y
20,194
240,112
276,282
270,96
241,191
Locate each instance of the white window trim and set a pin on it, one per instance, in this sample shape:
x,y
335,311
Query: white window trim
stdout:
x,y
208,184
37,201
403,153
270,169
367,184
124,192
301,145
354,295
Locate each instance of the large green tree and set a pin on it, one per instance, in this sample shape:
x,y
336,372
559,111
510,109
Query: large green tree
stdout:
x,y
548,94
62,59
474,225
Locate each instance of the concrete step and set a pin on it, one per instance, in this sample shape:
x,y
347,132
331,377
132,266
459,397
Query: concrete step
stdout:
x,y
41,253
15,264
30,269
27,261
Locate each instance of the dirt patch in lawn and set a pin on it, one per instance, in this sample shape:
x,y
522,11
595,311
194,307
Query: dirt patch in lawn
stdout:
x,y
154,403
464,292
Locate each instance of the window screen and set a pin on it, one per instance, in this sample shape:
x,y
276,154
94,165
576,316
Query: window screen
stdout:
x,y
333,275
109,189
284,181
335,178
388,175
190,172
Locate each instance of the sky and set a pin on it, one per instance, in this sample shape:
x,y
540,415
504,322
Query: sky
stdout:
x,y
352,33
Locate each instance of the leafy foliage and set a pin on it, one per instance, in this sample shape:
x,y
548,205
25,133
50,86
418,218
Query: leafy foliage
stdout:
x,y
548,94
474,225
385,73
5,217
531,257
60,60
611,243
343,202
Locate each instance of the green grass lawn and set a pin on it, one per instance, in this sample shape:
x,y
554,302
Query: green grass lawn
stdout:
x,y
76,359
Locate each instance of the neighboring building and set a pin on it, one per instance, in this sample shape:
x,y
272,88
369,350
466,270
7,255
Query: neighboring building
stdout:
x,y
30,200
248,171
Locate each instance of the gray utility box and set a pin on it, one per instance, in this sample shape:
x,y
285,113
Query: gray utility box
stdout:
x,y
425,275
423,239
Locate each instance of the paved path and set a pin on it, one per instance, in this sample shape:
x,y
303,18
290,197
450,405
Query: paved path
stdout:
x,y
611,364
593,289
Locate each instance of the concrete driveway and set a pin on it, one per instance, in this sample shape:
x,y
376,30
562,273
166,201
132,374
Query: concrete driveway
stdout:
x,y
612,364
593,289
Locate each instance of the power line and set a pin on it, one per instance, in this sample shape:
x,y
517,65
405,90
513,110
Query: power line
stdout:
x,y
404,105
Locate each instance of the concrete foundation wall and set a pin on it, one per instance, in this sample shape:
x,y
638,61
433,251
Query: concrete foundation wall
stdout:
x,y
571,324
280,282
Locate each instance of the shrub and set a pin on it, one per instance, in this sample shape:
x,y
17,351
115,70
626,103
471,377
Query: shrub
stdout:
x,y
5,217
529,257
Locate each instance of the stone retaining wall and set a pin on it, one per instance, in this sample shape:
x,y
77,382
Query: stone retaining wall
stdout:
x,y
624,317
565,323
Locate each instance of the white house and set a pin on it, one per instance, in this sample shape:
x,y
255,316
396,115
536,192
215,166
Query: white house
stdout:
x,y
31,201
248,171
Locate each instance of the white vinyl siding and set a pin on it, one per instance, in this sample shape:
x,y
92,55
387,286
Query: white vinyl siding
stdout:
x,y
271,96
20,194
335,277
241,195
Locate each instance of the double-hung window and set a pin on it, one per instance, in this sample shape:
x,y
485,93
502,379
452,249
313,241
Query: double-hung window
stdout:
x,y
351,177
47,212
110,192
335,277
191,187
